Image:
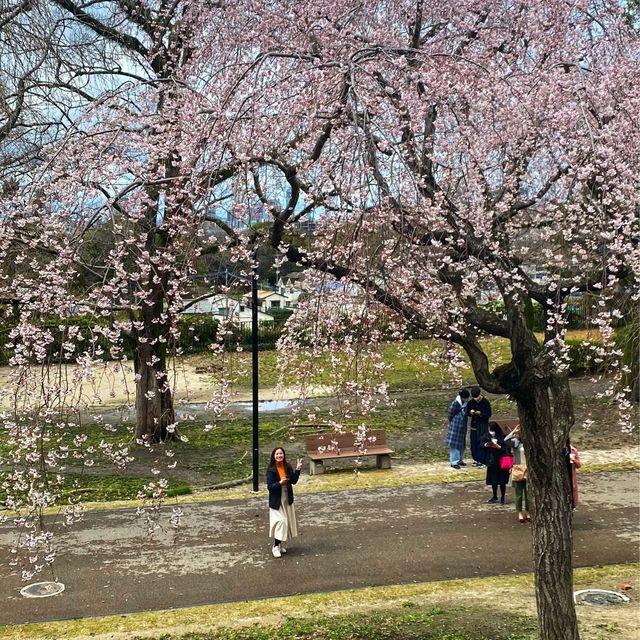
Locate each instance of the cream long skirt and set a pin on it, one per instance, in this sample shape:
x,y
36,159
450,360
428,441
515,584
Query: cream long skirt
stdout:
x,y
282,522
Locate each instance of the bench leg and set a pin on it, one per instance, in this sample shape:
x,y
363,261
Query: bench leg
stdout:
x,y
383,461
315,467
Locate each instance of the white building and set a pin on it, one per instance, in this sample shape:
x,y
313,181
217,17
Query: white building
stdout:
x,y
289,286
268,300
224,307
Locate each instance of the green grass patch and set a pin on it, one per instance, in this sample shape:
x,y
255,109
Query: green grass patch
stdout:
x,y
415,421
107,488
99,488
411,622
414,365
471,609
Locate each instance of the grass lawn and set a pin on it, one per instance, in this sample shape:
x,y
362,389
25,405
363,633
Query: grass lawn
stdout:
x,y
495,608
411,366
415,421
411,622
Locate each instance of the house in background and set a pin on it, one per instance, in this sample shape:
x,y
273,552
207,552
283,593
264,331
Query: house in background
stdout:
x,y
224,307
268,300
289,286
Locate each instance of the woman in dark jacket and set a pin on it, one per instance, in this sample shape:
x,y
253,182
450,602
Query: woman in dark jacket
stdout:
x,y
282,515
479,410
492,442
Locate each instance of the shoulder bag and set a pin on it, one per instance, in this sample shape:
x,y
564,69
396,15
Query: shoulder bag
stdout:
x,y
518,472
506,462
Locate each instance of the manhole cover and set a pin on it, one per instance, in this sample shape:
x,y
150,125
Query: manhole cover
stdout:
x,y
42,589
599,597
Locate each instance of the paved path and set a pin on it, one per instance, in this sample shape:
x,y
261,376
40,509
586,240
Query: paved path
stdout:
x,y
348,539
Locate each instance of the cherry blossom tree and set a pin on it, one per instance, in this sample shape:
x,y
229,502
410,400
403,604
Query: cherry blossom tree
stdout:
x,y
174,119
482,150
443,151
140,159
151,99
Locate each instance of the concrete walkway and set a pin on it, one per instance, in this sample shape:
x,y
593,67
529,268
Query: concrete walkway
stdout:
x,y
347,539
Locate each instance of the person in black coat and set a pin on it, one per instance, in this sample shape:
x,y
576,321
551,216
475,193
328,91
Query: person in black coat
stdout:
x,y
282,516
492,442
479,410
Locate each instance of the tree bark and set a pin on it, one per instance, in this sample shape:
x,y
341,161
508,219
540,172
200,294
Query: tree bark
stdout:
x,y
545,408
549,491
154,400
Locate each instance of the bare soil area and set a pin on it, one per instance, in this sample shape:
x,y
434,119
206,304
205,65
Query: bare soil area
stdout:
x,y
112,385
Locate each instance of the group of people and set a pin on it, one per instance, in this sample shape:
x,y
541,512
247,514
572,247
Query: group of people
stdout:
x,y
489,445
502,454
468,404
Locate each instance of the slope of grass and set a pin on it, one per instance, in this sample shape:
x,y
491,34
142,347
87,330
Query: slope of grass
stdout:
x,y
413,365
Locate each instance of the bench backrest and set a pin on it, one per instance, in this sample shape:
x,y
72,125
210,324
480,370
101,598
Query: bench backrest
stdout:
x,y
343,442
507,424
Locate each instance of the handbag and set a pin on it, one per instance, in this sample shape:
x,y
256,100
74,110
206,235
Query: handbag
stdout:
x,y
519,472
506,462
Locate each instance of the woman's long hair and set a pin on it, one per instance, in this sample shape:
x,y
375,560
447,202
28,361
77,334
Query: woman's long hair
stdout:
x,y
272,460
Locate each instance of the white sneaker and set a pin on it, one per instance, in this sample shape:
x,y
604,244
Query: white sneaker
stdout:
x,y
276,552
282,549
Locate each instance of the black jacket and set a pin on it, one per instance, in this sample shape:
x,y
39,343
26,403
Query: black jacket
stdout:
x,y
493,455
275,488
484,407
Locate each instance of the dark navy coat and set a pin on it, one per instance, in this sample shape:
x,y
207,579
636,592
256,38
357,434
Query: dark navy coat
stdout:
x,y
495,475
275,488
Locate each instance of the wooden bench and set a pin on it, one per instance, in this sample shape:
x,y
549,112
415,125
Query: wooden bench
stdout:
x,y
326,446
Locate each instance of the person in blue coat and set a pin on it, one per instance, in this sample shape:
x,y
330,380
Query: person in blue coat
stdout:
x,y
457,433
282,515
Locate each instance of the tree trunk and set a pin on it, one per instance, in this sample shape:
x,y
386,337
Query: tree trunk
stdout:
x,y
549,491
154,400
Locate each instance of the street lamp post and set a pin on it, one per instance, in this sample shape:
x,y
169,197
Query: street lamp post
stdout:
x,y
254,376
230,278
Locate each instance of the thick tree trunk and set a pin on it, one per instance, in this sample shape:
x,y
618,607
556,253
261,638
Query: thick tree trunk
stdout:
x,y
154,401
549,491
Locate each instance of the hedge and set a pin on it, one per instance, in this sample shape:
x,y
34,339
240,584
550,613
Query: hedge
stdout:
x,y
195,334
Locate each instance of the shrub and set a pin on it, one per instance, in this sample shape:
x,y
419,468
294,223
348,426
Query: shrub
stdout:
x,y
195,334
535,316
582,357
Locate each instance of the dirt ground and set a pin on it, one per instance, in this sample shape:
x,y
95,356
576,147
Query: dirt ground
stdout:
x,y
109,393
112,385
